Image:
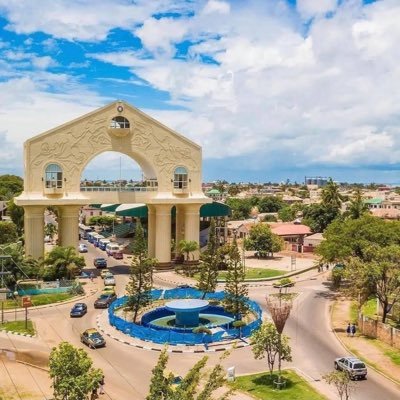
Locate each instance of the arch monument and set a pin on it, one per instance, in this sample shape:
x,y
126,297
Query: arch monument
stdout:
x,y
171,164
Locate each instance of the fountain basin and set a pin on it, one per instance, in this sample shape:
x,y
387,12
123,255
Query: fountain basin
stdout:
x,y
186,311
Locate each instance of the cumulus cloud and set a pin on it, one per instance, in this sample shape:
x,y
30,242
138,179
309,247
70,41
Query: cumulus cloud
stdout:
x,y
324,92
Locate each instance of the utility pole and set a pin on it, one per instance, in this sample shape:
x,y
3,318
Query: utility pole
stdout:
x,y
3,289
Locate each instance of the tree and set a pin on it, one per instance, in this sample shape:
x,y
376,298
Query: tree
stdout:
x,y
72,373
236,292
287,214
62,262
187,247
10,186
265,343
319,216
162,384
210,261
380,273
17,216
262,240
341,380
353,237
357,206
331,196
50,230
141,274
8,232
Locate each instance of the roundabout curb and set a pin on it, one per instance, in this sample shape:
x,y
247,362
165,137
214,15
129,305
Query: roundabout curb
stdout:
x,y
170,348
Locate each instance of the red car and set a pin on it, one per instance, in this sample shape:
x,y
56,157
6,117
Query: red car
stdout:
x,y
118,255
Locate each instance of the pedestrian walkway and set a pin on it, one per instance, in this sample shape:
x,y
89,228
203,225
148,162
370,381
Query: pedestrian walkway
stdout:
x,y
361,345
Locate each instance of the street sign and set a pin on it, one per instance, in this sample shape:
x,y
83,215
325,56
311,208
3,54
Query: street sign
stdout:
x,y
26,301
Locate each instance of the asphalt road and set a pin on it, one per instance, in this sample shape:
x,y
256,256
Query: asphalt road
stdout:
x,y
127,369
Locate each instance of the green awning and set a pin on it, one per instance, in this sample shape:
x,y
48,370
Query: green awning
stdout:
x,y
132,210
215,209
109,207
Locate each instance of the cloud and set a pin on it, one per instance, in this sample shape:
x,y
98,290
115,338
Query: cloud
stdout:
x,y
312,8
88,20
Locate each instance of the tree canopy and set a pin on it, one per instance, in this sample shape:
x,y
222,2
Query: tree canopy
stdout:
x,y
72,373
262,239
8,232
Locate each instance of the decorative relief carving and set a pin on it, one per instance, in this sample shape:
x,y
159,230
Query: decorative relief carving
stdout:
x,y
170,155
142,134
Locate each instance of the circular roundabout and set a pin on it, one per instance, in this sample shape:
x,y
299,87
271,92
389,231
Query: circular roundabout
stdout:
x,y
182,317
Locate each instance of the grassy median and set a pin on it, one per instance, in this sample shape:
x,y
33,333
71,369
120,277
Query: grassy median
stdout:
x,y
18,327
40,299
261,387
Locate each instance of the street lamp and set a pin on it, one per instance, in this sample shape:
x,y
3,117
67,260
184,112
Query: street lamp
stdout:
x,y
16,302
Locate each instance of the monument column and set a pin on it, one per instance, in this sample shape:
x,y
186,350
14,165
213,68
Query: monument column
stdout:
x,y
151,231
163,234
69,225
34,231
192,225
179,224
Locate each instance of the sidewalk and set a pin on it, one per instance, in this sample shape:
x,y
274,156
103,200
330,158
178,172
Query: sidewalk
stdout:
x,y
360,345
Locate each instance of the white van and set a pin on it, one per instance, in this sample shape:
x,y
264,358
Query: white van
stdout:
x,y
112,248
103,243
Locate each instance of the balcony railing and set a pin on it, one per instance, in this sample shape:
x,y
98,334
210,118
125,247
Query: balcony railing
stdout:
x,y
117,189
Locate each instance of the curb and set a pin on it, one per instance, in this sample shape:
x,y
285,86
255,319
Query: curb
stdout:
x,y
348,350
169,349
17,333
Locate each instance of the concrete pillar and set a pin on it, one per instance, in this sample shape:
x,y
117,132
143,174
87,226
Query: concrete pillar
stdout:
x,y
179,224
192,225
34,231
69,225
151,231
163,234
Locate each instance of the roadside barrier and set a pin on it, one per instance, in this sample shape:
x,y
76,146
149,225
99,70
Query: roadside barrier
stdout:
x,y
178,338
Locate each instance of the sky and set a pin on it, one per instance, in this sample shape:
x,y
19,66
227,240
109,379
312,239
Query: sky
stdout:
x,y
271,89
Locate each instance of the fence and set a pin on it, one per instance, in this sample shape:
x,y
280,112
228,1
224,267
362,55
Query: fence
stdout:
x,y
179,338
377,330
60,286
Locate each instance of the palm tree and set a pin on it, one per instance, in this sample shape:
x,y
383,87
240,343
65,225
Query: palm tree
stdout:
x,y
357,205
331,196
66,261
187,247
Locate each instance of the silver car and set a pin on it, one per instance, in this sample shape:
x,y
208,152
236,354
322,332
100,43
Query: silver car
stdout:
x,y
353,366
109,280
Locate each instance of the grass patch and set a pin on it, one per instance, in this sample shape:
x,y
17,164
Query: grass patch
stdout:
x,y
261,387
387,350
256,273
369,308
40,299
18,327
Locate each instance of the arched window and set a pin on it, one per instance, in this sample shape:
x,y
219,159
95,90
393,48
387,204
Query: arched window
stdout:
x,y
180,178
53,176
119,123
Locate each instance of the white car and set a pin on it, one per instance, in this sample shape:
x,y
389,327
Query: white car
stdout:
x,y
109,280
82,248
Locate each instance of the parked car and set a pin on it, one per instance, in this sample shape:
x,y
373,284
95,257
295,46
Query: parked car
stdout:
x,y
353,366
104,300
78,310
104,272
184,286
109,280
100,262
82,248
118,255
92,338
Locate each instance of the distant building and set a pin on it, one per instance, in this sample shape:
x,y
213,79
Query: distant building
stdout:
x,y
319,181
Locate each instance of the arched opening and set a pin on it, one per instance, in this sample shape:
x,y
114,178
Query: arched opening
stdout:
x,y
113,169
180,178
53,176
119,123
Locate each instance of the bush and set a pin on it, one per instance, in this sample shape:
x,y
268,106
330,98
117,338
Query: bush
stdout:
x,y
76,290
238,324
284,282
